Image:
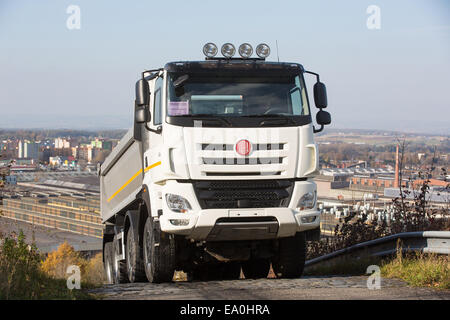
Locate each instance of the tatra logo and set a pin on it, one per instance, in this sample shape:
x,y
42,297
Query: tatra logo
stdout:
x,y
243,147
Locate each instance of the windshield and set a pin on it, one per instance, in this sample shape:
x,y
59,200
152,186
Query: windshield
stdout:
x,y
227,96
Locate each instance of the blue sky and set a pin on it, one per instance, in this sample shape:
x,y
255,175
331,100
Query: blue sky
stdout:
x,y
395,78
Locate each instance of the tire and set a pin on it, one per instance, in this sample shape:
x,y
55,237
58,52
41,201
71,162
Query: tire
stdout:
x,y
135,264
256,268
290,259
159,253
108,262
120,267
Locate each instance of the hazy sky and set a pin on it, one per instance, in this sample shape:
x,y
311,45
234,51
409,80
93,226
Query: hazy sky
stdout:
x,y
395,78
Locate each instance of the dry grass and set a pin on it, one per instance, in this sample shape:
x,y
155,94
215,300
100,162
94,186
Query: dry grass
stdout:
x,y
420,270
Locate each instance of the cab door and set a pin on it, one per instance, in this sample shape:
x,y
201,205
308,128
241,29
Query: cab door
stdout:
x,y
153,155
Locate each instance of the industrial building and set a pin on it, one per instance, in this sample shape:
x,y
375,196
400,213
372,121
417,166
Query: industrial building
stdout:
x,y
74,213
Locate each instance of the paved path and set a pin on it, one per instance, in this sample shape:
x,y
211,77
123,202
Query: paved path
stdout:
x,y
320,288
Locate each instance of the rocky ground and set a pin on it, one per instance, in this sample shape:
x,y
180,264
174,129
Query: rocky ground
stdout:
x,y
318,288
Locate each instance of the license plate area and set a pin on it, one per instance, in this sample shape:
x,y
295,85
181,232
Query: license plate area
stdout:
x,y
246,213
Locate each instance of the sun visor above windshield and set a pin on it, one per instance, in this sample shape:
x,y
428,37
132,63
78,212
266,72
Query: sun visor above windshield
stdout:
x,y
235,66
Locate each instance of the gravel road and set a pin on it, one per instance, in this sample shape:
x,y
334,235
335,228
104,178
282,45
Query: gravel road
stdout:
x,y
318,288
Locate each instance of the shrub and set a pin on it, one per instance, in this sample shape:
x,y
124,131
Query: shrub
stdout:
x,y
56,263
19,269
22,276
95,272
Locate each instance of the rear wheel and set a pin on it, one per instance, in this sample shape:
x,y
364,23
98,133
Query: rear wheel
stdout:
x,y
135,265
108,262
159,253
256,268
120,266
290,259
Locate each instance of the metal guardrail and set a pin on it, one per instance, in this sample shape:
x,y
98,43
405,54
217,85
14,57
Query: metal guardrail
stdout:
x,y
424,241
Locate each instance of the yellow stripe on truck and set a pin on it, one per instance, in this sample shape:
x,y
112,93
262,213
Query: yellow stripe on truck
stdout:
x,y
132,178
152,166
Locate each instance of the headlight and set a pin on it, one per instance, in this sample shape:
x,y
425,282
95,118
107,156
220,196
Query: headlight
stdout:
x,y
177,203
307,201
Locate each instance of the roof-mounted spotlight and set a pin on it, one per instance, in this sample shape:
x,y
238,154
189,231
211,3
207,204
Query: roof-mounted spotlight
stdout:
x,y
228,50
263,50
245,50
210,50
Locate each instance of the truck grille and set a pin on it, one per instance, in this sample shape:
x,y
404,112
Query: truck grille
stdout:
x,y
255,146
243,194
233,161
220,159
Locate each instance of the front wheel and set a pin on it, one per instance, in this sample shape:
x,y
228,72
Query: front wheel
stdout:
x,y
289,261
159,253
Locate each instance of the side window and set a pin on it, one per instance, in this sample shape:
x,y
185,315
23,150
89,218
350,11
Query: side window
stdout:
x,y
157,108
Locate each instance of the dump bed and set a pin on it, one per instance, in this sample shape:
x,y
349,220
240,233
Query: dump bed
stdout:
x,y
120,176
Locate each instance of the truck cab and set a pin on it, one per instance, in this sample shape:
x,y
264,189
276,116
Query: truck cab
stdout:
x,y
216,174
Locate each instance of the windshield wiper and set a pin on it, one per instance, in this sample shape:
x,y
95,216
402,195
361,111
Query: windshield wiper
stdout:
x,y
280,118
206,116
269,115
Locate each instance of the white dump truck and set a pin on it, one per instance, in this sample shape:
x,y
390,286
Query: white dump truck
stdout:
x,y
216,174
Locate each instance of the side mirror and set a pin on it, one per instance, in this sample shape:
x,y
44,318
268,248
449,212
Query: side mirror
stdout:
x,y
142,93
141,115
320,95
323,118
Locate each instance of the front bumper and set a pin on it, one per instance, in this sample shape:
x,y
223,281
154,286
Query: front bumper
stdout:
x,y
240,223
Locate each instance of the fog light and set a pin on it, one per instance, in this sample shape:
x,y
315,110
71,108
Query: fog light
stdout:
x,y
228,50
179,222
309,219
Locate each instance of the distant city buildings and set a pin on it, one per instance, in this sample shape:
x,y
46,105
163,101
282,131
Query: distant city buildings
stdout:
x,y
28,149
65,153
61,143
